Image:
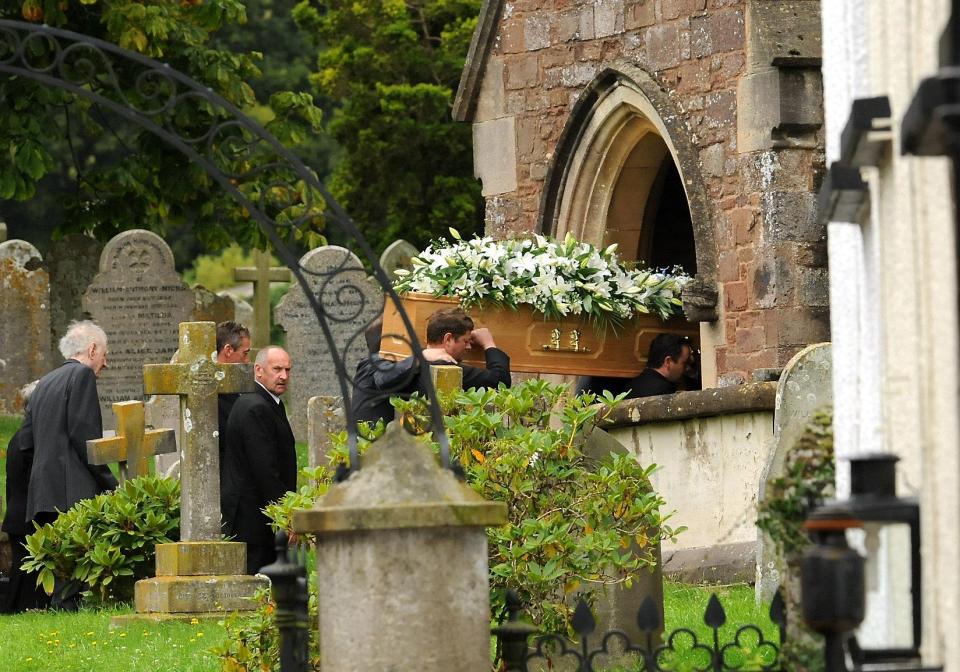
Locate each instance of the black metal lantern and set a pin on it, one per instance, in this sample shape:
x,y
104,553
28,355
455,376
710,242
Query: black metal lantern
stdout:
x,y
836,577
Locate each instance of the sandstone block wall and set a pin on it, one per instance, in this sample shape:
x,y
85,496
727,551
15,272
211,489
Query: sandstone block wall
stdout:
x,y
743,80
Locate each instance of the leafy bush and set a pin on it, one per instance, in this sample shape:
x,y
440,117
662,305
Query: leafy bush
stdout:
x,y
107,542
575,520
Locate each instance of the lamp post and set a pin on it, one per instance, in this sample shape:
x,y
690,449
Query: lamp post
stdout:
x,y
834,582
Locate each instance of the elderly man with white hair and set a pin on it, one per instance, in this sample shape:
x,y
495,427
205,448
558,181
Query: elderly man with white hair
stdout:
x,y
62,415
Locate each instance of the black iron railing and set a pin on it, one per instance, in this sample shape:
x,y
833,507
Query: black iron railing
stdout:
x,y
747,648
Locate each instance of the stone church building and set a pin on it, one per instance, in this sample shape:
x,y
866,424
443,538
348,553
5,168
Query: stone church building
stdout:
x,y
688,131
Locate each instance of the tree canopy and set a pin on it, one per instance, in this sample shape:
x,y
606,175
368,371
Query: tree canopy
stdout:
x,y
119,176
392,66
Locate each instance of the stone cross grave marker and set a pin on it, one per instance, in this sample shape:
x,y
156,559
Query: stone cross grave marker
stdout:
x,y
72,262
397,256
261,275
351,302
804,388
134,445
198,379
138,299
24,321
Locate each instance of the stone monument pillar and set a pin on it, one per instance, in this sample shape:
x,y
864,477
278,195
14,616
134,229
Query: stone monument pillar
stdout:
x,y
402,564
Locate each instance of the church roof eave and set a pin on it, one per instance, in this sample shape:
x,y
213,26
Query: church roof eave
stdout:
x,y
465,104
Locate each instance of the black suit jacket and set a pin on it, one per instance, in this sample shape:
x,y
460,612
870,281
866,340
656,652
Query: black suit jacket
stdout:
x,y
18,475
63,414
260,466
649,383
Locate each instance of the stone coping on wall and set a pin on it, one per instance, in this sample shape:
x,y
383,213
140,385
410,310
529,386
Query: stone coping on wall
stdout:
x,y
746,398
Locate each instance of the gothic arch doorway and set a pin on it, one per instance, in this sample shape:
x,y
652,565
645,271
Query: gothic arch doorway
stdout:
x,y
626,172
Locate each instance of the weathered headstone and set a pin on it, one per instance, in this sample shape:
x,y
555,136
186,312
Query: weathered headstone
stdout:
x,y
261,275
3,232
242,311
134,445
804,388
350,301
210,307
397,256
24,321
325,416
72,263
139,299
200,574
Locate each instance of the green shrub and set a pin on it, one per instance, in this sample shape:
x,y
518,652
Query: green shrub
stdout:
x,y
107,542
574,520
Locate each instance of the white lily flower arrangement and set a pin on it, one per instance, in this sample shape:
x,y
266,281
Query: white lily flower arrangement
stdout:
x,y
558,279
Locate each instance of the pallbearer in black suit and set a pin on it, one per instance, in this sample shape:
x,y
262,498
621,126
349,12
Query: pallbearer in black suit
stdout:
x,y
233,347
260,462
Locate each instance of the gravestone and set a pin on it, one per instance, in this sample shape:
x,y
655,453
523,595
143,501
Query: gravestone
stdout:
x,y
261,275
242,311
24,321
72,263
200,574
162,411
3,232
397,256
352,302
138,299
211,307
134,445
325,416
805,387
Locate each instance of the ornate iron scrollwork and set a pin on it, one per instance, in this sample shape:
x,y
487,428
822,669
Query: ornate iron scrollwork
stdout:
x,y
277,190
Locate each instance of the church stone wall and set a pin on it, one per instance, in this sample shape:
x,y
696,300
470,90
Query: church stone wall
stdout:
x,y
744,75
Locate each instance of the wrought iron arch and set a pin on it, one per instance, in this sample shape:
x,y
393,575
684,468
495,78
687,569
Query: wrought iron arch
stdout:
x,y
96,70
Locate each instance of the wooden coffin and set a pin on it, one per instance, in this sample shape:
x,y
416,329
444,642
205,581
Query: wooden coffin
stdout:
x,y
535,345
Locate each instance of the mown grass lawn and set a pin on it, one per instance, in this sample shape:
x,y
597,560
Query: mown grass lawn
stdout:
x,y
84,642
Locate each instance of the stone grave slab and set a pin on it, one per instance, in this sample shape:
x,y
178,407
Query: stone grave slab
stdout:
x,y
211,307
325,416
337,277
398,256
139,299
24,321
72,262
804,388
243,311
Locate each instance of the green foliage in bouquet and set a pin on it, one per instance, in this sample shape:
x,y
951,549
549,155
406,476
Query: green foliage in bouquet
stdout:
x,y
107,542
558,278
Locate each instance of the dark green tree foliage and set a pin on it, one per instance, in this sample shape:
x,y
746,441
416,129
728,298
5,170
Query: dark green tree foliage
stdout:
x,y
407,167
124,176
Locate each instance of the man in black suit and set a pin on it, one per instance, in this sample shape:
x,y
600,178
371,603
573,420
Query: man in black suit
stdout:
x,y
63,414
450,333
23,592
233,347
666,367
260,462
